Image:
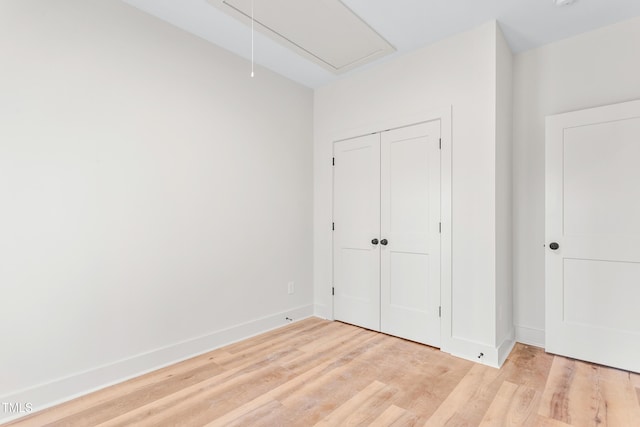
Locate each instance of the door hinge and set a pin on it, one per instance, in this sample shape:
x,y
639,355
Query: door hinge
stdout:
x,y
440,144
333,161
440,227
333,226
333,291
439,311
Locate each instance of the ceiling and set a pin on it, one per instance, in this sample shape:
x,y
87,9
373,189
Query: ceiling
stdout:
x,y
406,24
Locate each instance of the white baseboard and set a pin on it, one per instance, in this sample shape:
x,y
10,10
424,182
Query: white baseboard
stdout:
x,y
530,336
475,352
471,350
43,396
322,311
480,352
505,348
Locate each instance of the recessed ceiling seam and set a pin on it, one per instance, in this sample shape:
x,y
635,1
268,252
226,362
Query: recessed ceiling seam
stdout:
x,y
285,38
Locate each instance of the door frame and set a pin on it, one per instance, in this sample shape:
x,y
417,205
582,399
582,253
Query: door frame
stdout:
x,y
444,115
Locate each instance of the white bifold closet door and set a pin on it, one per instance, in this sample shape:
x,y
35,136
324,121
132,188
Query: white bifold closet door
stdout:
x,y
387,236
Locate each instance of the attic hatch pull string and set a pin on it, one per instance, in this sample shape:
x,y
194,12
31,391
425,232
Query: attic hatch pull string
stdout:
x,y
252,21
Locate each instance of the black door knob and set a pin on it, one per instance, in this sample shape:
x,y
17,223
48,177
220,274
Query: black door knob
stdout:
x,y
374,241
384,242
554,246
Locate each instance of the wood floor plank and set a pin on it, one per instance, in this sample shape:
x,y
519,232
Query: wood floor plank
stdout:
x,y
581,393
514,405
424,390
528,366
619,405
215,393
635,379
215,386
393,415
370,410
306,326
497,411
143,396
585,401
516,369
339,416
331,373
281,344
550,422
284,389
408,419
432,377
337,383
343,344
341,333
262,416
555,397
464,394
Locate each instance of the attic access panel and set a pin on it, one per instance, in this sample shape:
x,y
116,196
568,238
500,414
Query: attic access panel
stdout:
x,y
325,31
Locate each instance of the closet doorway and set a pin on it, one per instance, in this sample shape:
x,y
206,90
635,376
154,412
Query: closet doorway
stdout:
x,y
387,231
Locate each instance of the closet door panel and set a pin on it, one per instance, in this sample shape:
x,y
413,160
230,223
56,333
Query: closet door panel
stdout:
x,y
356,204
410,219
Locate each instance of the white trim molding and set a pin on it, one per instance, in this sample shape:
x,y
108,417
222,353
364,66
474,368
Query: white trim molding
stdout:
x,y
322,311
505,348
530,336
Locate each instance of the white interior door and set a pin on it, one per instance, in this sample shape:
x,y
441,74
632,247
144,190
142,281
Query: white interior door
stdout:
x,y
410,218
356,215
593,235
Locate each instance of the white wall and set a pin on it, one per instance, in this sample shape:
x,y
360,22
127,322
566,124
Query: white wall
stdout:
x,y
155,199
597,68
504,200
460,72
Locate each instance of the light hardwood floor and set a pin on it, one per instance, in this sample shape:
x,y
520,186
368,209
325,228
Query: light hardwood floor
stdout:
x,y
316,372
